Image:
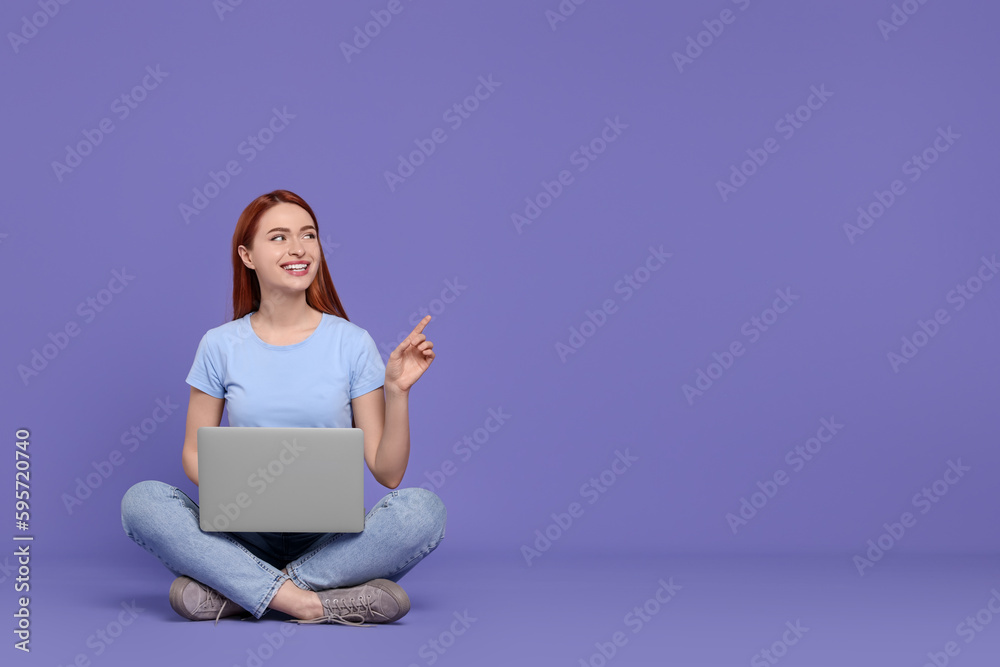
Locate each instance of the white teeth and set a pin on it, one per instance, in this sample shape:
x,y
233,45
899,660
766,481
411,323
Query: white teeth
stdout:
x,y
296,267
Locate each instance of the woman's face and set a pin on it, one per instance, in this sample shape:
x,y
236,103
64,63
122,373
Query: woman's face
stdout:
x,y
286,237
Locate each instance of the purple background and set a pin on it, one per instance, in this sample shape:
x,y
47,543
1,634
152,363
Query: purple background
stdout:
x,y
392,251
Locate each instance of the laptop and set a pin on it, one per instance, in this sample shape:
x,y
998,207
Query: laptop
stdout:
x,y
281,480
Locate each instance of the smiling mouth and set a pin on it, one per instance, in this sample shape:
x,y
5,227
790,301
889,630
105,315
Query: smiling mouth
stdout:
x,y
297,269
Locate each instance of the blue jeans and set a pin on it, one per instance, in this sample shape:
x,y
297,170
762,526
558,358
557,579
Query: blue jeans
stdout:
x,y
406,525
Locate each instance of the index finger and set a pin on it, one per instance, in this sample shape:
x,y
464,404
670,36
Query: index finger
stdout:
x,y
420,325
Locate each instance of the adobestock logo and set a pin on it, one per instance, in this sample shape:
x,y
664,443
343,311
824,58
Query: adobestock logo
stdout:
x,y
257,656
455,116
636,620
593,490
788,125
563,11
927,330
449,294
753,329
899,17
363,35
714,28
924,500
779,648
466,448
105,636
88,310
434,648
105,468
258,480
797,458
915,167
122,106
581,158
37,21
628,285
223,7
249,149
968,629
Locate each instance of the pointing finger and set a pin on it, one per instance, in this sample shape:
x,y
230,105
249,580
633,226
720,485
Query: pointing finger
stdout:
x,y
420,325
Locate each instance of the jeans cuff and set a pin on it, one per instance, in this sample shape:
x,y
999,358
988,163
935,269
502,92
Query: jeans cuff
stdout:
x,y
262,607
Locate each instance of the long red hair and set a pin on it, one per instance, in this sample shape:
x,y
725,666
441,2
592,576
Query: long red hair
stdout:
x,y
321,295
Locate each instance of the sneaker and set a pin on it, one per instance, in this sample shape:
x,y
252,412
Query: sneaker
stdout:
x,y
376,601
197,602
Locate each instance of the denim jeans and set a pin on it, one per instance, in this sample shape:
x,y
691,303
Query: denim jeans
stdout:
x,y
406,525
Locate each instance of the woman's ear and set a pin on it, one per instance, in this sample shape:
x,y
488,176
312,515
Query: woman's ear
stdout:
x,y
245,256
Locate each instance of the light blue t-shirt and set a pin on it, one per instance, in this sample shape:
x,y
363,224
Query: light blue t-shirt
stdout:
x,y
308,384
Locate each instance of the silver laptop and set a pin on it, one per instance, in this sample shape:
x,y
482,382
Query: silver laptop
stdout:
x,y
281,480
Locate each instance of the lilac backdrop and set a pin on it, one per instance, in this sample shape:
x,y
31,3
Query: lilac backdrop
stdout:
x,y
522,284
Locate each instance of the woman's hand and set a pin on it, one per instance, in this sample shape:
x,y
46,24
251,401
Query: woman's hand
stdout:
x,y
409,360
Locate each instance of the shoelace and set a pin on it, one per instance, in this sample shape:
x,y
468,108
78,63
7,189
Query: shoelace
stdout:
x,y
352,609
212,597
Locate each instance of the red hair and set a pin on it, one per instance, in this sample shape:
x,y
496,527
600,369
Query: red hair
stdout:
x,y
321,295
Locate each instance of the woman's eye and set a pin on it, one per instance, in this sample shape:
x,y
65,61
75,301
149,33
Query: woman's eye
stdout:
x,y
279,236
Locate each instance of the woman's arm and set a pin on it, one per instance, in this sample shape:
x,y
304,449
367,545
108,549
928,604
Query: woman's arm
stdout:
x,y
384,418
203,410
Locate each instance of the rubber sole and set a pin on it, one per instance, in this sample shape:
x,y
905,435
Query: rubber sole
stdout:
x,y
396,592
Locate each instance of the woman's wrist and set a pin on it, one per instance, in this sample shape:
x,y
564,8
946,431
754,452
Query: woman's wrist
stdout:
x,y
395,392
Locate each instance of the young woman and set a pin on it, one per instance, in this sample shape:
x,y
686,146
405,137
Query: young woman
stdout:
x,y
290,357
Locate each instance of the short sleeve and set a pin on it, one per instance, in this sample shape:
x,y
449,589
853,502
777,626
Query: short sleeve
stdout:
x,y
204,372
367,369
